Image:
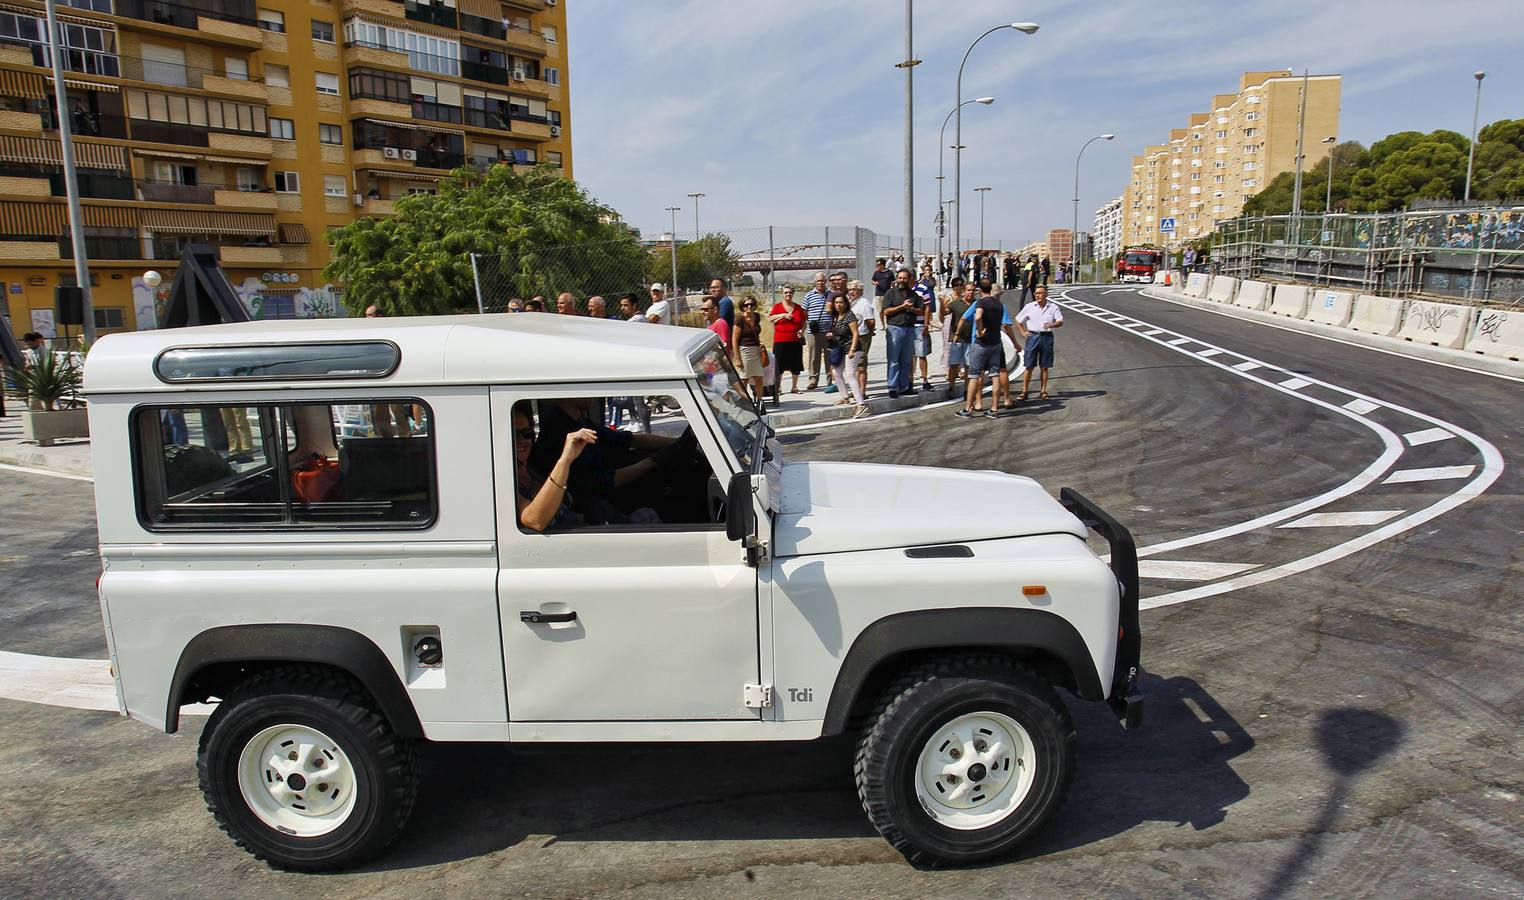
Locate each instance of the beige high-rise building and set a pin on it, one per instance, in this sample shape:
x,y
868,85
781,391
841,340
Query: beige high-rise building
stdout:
x,y
1206,170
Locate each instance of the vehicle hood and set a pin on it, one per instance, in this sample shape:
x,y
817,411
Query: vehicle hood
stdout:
x,y
835,507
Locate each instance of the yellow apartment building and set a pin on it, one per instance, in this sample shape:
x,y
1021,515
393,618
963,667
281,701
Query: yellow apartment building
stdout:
x,y
255,126
1206,170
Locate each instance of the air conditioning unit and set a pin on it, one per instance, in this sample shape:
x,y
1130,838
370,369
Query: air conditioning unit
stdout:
x,y
410,154
359,199
389,152
518,74
555,131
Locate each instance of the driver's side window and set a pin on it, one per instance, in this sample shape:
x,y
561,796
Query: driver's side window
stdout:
x,y
624,463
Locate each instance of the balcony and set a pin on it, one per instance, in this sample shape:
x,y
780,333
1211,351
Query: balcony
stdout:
x,y
529,5
182,15
240,199
261,256
481,118
477,71
430,14
217,81
83,123
361,53
376,206
392,8
20,121
371,106
431,111
522,39
18,250
20,186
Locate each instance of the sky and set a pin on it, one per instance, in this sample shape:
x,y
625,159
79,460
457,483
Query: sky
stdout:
x,y
791,112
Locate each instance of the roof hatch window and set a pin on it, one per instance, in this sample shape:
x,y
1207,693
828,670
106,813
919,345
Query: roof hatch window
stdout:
x,y
360,359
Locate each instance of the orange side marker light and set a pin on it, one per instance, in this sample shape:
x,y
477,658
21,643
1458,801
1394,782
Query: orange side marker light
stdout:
x,y
1034,590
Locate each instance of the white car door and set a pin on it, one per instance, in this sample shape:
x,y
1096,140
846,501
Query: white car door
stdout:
x,y
654,622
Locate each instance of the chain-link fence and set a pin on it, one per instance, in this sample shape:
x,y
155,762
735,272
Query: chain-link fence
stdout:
x,y
1474,254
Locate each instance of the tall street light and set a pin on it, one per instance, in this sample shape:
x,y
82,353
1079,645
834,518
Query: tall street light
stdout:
x,y
908,65
1024,28
1328,202
1475,112
672,288
695,214
981,191
941,142
70,176
1074,231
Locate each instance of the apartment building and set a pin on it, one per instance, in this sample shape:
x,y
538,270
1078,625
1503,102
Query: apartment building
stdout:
x,y
1206,170
1107,230
256,126
1060,245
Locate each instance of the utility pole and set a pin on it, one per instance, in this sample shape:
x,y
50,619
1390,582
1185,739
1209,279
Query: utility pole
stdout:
x,y
981,191
909,66
70,175
695,214
1475,113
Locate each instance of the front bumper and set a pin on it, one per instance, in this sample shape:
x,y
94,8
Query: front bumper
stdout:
x,y
1124,698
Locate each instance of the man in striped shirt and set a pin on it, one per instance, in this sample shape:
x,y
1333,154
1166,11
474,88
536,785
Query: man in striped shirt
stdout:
x,y
817,319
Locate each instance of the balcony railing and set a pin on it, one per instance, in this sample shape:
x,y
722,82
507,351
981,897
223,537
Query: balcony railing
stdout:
x,y
165,12
83,123
430,13
478,71
95,185
436,112
482,118
176,74
492,28
205,193
87,62
170,133
440,159
103,247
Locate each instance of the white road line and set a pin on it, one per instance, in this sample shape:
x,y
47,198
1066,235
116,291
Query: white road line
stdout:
x,y
1295,384
1427,436
1436,473
1344,519
27,470
1209,352
1361,407
1155,332
1178,341
1247,366
76,683
1136,325
1187,570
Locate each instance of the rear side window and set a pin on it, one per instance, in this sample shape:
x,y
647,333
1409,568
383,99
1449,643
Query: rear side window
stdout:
x,y
306,465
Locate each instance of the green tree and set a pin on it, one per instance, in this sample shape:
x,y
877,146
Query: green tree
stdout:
x,y
698,262
542,231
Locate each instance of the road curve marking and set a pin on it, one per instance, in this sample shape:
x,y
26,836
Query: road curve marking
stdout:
x,y
1350,519
28,470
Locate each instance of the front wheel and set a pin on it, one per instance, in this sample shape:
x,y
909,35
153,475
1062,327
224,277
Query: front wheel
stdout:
x,y
302,771
964,758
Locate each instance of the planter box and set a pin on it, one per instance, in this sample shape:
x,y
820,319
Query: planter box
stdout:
x,y
47,426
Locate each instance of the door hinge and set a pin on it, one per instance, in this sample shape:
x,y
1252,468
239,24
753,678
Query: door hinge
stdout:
x,y
758,696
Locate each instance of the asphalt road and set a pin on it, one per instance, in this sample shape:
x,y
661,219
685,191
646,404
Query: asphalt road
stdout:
x,y
1322,721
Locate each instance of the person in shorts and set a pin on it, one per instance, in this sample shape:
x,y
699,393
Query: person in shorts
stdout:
x,y
955,333
863,310
926,287
986,319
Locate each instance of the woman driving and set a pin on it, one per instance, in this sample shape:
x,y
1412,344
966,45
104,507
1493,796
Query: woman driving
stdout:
x,y
543,502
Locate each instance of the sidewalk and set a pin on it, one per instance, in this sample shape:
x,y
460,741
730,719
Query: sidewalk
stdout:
x,y
66,457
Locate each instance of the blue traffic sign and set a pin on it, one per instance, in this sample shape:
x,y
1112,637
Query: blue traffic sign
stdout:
x,y
1167,225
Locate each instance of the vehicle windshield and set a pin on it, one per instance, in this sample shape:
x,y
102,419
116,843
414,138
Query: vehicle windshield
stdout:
x,y
723,389
1140,259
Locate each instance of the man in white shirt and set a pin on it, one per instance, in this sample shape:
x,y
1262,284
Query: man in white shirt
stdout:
x,y
1037,321
862,308
660,310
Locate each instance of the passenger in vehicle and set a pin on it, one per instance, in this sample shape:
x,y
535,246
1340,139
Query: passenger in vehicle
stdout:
x,y
545,502
610,464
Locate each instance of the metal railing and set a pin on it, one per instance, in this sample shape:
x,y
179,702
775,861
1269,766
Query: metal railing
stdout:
x,y
165,12
1475,254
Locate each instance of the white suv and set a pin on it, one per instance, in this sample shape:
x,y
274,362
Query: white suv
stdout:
x,y
352,534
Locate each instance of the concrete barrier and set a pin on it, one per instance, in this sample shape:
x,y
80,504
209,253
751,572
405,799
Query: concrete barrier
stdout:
x,y
1290,300
1223,288
1331,307
1376,315
1498,334
1436,324
1252,294
1196,285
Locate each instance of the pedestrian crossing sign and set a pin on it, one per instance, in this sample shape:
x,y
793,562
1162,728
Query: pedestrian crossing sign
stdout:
x,y
1167,225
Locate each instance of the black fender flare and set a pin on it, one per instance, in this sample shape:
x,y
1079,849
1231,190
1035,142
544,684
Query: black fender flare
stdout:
x,y
996,629
326,645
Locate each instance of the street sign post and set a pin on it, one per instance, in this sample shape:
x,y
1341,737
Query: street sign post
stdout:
x,y
1167,225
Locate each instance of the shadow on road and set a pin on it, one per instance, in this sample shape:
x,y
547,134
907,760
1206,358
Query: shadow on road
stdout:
x,y
481,798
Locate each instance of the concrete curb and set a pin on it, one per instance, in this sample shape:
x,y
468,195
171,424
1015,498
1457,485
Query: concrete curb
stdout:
x,y
48,459
876,407
1458,358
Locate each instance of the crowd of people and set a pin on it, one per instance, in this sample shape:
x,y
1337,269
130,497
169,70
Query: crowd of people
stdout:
x,y
821,341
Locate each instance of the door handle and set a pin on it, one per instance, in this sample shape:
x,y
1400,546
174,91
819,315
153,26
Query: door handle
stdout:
x,y
534,617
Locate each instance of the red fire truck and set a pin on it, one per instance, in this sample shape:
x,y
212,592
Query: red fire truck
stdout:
x,y
1138,264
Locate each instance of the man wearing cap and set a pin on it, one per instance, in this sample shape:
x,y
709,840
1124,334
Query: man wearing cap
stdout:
x,y
660,310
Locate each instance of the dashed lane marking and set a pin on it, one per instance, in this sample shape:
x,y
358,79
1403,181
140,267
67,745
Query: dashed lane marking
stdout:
x,y
1435,473
1188,570
1209,352
1178,341
1344,519
1361,407
1427,436
1295,384
1247,366
1154,333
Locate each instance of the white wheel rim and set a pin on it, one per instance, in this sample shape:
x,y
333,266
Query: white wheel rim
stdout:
x,y
296,780
975,770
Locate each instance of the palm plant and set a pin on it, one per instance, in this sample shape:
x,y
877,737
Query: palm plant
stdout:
x,y
47,380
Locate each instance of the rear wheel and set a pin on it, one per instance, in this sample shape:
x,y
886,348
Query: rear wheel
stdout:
x,y
302,771
964,758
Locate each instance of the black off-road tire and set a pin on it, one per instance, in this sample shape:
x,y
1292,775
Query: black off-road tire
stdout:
x,y
385,766
923,699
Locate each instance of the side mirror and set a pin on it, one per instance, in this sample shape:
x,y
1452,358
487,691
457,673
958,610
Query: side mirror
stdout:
x,y
740,514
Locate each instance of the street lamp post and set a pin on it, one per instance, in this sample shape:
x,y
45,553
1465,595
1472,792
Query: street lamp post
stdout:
x,y
70,176
981,191
1074,231
695,214
1296,187
672,288
941,142
908,65
1328,202
1024,28
1475,113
